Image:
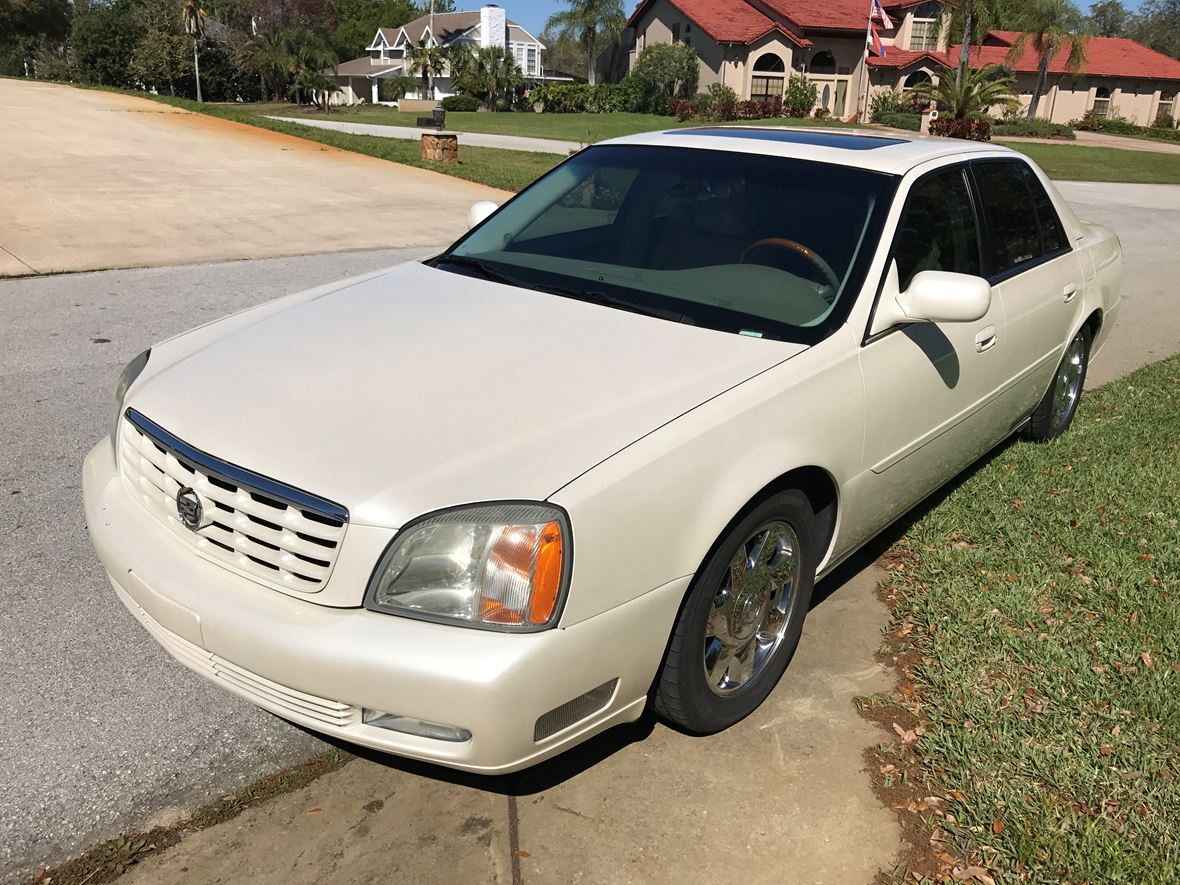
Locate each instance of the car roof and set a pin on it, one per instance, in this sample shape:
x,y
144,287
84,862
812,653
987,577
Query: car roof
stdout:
x,y
877,150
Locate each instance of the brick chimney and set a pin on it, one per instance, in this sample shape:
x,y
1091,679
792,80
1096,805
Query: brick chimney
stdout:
x,y
493,26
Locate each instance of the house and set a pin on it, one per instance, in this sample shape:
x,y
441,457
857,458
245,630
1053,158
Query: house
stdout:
x,y
753,46
360,78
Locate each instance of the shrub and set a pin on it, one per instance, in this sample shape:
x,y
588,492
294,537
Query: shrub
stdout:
x,y
667,70
1033,129
799,97
821,113
900,120
1120,126
460,103
886,102
1163,121
682,108
719,93
969,128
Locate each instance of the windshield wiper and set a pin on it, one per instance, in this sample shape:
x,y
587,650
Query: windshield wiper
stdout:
x,y
482,267
597,296
594,296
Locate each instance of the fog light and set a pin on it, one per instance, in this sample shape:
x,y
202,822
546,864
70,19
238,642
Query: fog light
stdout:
x,y
409,725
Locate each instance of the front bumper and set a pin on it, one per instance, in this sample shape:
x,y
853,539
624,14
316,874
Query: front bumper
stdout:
x,y
319,666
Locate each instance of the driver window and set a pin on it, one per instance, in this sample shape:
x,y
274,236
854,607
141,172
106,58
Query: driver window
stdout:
x,y
939,231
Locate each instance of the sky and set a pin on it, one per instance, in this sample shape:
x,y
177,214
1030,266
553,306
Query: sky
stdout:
x,y
533,13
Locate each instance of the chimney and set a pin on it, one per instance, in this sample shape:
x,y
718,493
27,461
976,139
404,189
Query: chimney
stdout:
x,y
493,26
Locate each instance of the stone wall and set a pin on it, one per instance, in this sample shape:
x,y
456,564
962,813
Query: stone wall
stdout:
x,y
440,147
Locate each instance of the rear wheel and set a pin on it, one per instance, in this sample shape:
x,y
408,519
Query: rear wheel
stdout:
x,y
741,622
1056,410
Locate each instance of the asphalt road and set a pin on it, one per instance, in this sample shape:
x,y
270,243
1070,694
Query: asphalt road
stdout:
x,y
89,744
91,738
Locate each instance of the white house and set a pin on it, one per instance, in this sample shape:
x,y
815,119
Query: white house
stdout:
x,y
359,79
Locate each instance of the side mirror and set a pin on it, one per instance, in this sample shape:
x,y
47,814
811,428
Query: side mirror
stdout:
x,y
934,296
479,211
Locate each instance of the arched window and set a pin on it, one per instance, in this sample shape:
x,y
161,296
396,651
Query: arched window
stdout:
x,y
916,78
1101,102
770,72
823,63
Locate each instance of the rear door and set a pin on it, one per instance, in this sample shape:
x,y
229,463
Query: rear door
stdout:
x,y
1033,270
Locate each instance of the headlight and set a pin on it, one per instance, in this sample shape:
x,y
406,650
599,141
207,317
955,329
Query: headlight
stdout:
x,y
126,378
495,566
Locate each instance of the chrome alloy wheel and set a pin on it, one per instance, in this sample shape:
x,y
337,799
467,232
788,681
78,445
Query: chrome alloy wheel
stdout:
x,y
749,614
1068,386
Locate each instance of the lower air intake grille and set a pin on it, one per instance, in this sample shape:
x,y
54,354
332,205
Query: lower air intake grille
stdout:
x,y
573,712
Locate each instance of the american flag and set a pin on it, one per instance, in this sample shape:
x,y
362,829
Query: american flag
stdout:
x,y
877,11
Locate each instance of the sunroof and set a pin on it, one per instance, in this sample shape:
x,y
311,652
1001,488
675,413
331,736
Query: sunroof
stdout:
x,y
796,136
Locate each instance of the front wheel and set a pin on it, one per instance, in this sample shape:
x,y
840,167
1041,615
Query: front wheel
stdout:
x,y
1055,412
741,622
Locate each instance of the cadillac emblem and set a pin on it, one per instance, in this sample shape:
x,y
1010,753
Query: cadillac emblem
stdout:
x,y
189,508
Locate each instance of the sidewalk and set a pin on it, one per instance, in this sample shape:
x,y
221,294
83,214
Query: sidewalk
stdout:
x,y
475,139
782,796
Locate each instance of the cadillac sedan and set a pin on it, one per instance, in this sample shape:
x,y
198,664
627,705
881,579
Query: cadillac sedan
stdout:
x,y
479,508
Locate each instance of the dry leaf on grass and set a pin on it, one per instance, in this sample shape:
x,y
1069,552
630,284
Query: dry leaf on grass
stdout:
x,y
977,874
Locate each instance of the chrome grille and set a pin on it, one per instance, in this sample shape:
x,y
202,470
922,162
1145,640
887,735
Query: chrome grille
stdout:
x,y
272,533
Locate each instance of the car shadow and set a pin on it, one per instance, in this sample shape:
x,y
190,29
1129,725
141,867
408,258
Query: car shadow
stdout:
x,y
552,772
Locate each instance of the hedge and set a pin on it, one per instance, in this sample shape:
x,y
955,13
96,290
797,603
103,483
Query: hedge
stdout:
x,y
460,103
912,122
1032,129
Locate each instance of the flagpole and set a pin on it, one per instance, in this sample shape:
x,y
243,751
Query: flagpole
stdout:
x,y
862,87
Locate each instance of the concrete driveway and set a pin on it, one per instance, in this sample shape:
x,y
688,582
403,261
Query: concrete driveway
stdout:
x,y
97,180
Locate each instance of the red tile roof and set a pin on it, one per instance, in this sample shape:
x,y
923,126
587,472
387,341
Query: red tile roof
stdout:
x,y
1105,57
729,21
838,15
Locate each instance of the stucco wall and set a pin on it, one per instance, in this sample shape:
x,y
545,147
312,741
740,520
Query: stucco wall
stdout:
x,y
656,27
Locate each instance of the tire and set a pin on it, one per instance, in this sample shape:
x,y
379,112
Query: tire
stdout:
x,y
734,638
1056,410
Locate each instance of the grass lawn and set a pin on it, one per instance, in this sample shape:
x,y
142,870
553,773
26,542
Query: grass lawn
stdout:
x,y
1071,162
510,170
582,128
1040,602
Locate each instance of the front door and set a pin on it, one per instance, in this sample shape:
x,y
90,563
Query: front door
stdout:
x,y
933,391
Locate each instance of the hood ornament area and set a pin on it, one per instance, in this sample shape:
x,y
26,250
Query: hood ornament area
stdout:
x,y
190,509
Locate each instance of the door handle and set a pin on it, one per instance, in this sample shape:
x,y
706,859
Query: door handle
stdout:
x,y
986,339
1070,292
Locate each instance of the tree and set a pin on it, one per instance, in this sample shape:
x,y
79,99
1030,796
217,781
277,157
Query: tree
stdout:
x,y
311,59
1049,26
489,73
969,19
979,90
1109,18
269,55
593,23
562,52
360,19
668,70
1158,26
102,43
427,59
192,13
27,26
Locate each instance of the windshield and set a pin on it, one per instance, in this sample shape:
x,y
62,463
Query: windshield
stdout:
x,y
764,246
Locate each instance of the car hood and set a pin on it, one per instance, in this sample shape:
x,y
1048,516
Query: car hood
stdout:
x,y
418,389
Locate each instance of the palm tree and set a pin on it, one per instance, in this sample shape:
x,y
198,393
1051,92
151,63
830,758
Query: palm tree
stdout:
x,y
593,23
269,54
979,90
428,59
489,73
976,17
1049,26
311,59
192,13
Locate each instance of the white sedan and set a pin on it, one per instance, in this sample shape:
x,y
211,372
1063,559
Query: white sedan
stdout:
x,y
479,508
